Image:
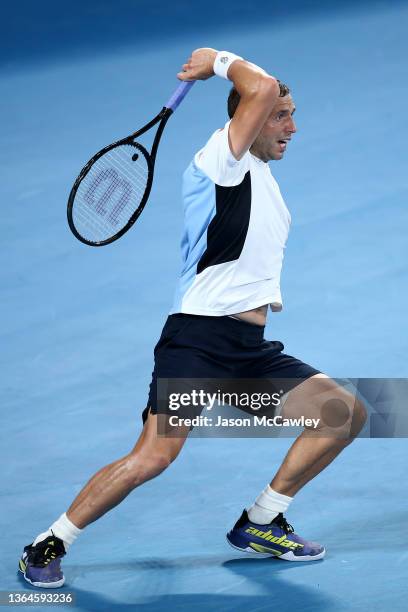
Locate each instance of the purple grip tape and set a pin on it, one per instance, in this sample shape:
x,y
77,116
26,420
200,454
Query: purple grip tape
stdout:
x,y
179,95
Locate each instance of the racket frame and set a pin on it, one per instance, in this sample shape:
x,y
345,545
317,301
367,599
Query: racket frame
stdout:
x,y
162,117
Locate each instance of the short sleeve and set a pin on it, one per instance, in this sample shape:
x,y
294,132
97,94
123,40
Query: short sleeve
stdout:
x,y
218,163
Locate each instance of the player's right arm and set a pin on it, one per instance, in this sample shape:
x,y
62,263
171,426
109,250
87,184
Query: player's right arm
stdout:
x,y
257,89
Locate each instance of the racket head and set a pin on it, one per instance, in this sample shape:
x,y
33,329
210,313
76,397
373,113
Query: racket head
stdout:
x,y
110,193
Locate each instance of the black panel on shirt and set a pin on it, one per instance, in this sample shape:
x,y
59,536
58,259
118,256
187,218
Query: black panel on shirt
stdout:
x,y
228,229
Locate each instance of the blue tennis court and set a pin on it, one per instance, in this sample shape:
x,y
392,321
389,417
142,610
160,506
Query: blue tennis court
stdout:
x,y
79,324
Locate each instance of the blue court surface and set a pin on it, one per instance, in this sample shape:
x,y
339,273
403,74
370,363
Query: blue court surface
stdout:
x,y
78,325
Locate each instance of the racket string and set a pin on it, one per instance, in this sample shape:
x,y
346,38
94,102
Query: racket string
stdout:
x,y
110,193
138,170
119,178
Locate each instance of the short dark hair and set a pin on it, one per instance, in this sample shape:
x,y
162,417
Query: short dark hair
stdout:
x,y
234,97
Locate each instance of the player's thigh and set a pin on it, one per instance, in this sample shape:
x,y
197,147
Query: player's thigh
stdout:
x,y
321,398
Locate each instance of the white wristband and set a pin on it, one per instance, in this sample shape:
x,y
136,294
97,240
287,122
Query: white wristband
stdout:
x,y
223,61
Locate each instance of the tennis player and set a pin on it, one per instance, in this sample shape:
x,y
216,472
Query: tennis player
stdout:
x,y
236,227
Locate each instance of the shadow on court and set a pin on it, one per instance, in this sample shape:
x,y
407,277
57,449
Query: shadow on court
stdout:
x,y
266,575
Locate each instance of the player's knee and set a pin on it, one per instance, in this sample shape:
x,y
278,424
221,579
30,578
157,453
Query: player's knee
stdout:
x,y
342,417
160,461
359,418
354,425
148,463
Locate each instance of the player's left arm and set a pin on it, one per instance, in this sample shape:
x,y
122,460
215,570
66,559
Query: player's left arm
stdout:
x,y
257,89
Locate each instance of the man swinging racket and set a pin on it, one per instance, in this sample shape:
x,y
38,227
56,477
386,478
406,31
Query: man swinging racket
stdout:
x,y
236,227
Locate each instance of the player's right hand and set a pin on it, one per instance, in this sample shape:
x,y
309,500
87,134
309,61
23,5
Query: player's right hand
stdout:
x,y
199,66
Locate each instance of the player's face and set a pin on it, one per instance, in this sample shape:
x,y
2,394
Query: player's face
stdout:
x,y
272,140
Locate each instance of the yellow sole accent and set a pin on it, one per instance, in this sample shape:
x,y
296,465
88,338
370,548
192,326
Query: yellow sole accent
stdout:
x,y
264,549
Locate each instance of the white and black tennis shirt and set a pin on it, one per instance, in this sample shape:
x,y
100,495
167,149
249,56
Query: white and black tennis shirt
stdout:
x,y
235,229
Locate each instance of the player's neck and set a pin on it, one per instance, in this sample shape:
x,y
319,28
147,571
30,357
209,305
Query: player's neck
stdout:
x,y
258,156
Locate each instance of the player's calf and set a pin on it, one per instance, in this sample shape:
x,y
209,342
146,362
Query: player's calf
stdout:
x,y
40,563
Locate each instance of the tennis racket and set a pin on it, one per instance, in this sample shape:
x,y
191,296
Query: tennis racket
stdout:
x,y
113,187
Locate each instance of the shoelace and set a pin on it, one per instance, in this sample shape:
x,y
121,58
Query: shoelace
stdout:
x,y
283,523
46,559
43,553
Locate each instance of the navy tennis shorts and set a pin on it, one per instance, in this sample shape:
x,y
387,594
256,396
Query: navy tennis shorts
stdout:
x,y
202,347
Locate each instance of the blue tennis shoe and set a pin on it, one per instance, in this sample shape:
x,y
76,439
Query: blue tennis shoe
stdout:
x,y
41,564
277,539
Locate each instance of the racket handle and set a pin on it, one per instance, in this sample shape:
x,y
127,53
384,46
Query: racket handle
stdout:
x,y
179,95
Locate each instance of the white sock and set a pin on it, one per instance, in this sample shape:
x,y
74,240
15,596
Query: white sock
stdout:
x,y
64,529
267,506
